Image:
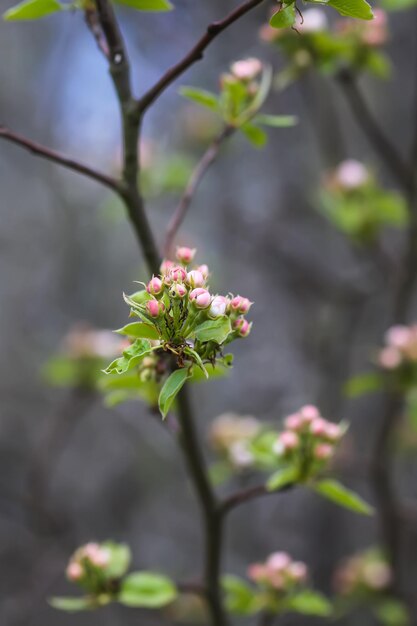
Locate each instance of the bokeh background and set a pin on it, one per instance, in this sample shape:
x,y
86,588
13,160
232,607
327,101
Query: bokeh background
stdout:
x,y
67,254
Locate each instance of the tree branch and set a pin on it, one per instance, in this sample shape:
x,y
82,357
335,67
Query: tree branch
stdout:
x,y
195,54
252,493
60,159
195,179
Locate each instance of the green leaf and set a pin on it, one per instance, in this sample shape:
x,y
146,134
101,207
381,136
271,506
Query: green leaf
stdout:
x,y
139,330
147,590
171,388
391,612
240,597
72,605
363,383
276,121
254,134
33,10
336,492
214,330
197,359
147,5
119,559
310,602
131,357
283,18
281,478
398,5
200,96
352,8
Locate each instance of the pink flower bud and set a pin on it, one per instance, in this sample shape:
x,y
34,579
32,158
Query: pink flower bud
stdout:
x,y
318,427
154,286
294,422
154,308
323,451
100,558
298,571
185,255
177,274
278,561
333,431
257,572
309,412
352,174
240,305
200,298
398,336
217,307
179,290
389,358
377,575
166,266
246,69
204,270
196,279
286,442
74,571
242,326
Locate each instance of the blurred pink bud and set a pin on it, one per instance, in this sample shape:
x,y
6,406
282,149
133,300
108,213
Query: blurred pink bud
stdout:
x,y
278,561
217,307
177,274
246,69
323,451
312,21
154,308
318,427
309,412
200,298
240,305
196,279
375,33
257,572
377,575
185,255
179,290
298,571
204,270
294,422
154,286
333,431
286,442
389,358
239,454
74,571
100,558
352,174
166,266
398,336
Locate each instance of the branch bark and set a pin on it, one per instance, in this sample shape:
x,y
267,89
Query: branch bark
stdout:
x,y
195,54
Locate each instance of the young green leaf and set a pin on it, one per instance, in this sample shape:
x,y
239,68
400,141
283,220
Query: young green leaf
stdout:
x,y
139,330
240,597
72,605
281,478
32,10
147,5
363,383
275,121
131,357
283,18
254,134
310,603
171,388
200,96
147,590
352,8
119,559
214,330
197,359
336,492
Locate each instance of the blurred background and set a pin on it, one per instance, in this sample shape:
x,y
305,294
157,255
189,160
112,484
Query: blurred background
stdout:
x,y
73,470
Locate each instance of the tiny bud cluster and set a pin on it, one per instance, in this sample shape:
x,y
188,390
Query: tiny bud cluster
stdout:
x,y
309,440
237,106
366,572
348,176
279,573
230,436
86,563
85,342
400,347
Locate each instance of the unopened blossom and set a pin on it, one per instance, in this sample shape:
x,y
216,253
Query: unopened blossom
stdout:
x,y
185,255
247,69
312,21
74,571
323,451
155,286
375,32
286,442
177,274
200,298
351,174
389,358
179,290
229,428
166,266
204,270
154,308
366,571
400,347
242,326
240,304
217,307
239,454
279,573
195,279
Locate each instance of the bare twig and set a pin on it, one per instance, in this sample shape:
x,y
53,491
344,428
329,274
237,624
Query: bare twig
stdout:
x,y
60,159
195,179
252,493
195,54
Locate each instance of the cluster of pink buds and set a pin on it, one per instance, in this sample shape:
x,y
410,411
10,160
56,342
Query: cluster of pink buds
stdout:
x,y
230,436
86,560
372,33
366,572
308,436
82,342
348,176
400,347
279,572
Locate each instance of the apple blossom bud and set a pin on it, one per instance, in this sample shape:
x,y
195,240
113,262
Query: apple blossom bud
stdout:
x,y
240,305
204,270
286,442
185,255
333,431
278,561
200,298
398,336
179,290
196,279
257,572
239,454
177,274
242,326
298,571
100,558
352,174
377,575
217,307
318,427
389,358
294,422
74,571
323,451
312,21
309,412
166,266
155,286
154,308
246,69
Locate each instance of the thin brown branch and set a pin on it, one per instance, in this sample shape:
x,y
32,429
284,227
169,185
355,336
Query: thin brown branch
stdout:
x,y
60,159
195,54
247,495
373,131
195,179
